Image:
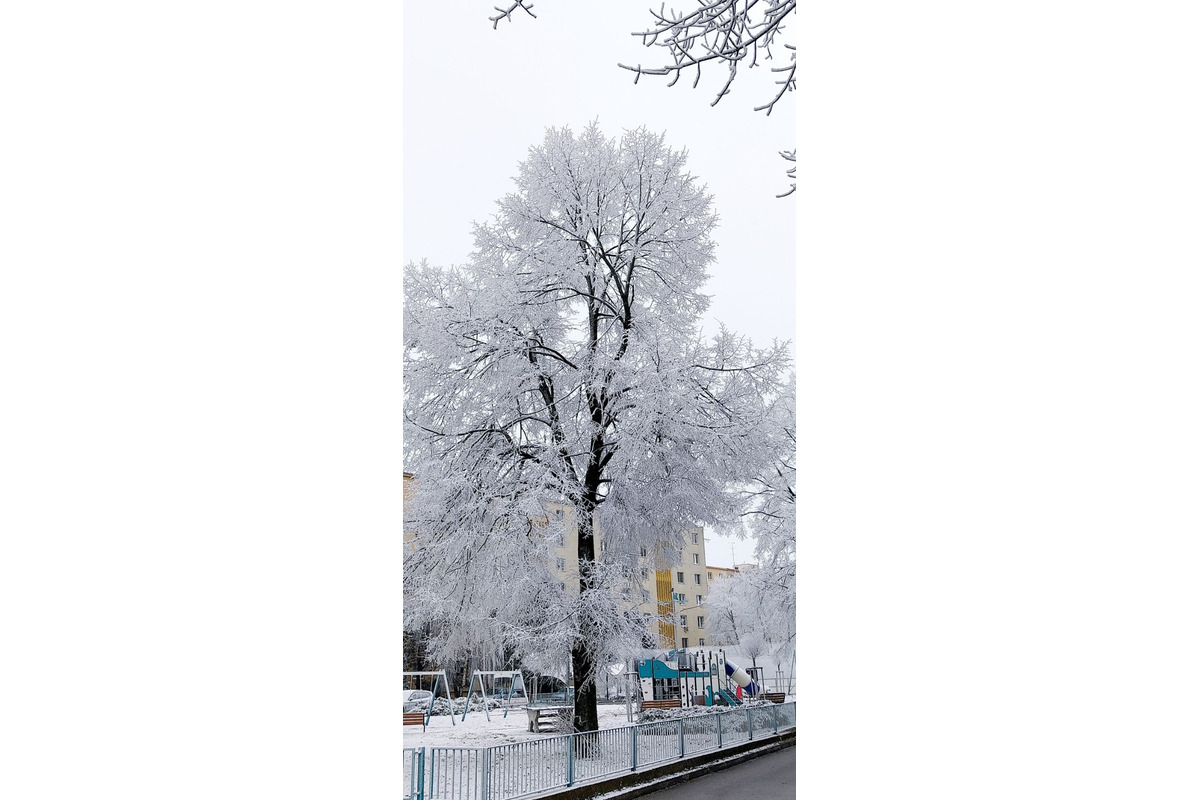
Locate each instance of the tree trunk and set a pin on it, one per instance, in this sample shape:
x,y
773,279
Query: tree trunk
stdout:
x,y
586,717
582,667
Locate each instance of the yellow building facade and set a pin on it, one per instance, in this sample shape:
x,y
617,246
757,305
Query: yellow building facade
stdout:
x,y
672,594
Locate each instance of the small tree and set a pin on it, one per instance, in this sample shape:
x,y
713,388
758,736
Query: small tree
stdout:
x,y
564,364
754,612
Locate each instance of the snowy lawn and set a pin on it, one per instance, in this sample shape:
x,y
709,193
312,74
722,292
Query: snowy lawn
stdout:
x,y
477,731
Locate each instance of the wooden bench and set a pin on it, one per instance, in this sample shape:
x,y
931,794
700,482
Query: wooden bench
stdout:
x,y
415,718
774,697
661,704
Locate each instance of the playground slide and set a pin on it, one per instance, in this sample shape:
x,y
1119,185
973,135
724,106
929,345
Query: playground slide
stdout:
x,y
740,677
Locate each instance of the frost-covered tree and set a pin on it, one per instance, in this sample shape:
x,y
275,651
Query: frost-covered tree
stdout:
x,y
732,34
756,609
771,518
563,369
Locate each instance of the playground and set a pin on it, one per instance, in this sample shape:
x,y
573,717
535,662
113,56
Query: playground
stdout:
x,y
497,708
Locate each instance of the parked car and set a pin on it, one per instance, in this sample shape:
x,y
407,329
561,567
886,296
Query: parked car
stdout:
x,y
416,699
561,696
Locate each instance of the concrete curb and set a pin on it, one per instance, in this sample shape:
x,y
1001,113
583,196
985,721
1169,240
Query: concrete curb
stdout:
x,y
636,784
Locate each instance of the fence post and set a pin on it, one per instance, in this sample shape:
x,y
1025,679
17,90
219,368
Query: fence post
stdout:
x,y
718,716
633,739
749,723
417,779
485,778
421,782
570,759
681,738
775,717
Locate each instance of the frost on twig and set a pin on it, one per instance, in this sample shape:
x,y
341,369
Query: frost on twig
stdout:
x,y
506,13
729,32
735,33
789,155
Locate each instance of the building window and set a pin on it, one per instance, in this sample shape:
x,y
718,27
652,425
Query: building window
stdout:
x,y
682,598
695,558
702,642
683,620
683,642
710,576
643,552
699,622
562,565
699,599
679,575
645,573
645,596
697,578
695,538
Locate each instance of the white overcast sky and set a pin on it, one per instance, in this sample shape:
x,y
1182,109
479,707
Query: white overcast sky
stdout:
x,y
470,119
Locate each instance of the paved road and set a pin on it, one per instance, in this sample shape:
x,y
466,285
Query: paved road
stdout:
x,y
769,777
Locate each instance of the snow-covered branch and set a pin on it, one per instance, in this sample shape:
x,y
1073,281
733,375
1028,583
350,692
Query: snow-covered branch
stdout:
x,y
733,33
729,33
506,13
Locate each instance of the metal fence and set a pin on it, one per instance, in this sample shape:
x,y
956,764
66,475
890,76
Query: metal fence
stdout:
x,y
524,769
414,773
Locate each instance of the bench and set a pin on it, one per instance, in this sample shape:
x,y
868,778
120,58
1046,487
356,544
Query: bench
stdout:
x,y
661,704
415,718
774,697
548,719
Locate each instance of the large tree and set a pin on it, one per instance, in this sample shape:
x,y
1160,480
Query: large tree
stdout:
x,y
563,367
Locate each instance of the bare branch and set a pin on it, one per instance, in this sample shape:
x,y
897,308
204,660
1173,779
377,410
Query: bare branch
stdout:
x,y
507,13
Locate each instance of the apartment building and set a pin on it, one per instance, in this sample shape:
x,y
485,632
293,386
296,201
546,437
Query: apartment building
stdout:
x,y
688,587
410,536
719,572
671,594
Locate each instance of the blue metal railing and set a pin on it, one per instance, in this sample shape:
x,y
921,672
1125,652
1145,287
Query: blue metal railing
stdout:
x,y
530,768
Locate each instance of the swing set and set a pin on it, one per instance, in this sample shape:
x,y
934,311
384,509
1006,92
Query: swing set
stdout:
x,y
439,679
514,679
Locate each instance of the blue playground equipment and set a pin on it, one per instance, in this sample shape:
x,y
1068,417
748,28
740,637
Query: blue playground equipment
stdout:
x,y
692,676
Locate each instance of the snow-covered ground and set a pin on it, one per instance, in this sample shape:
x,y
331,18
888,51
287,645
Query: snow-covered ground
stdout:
x,y
477,731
